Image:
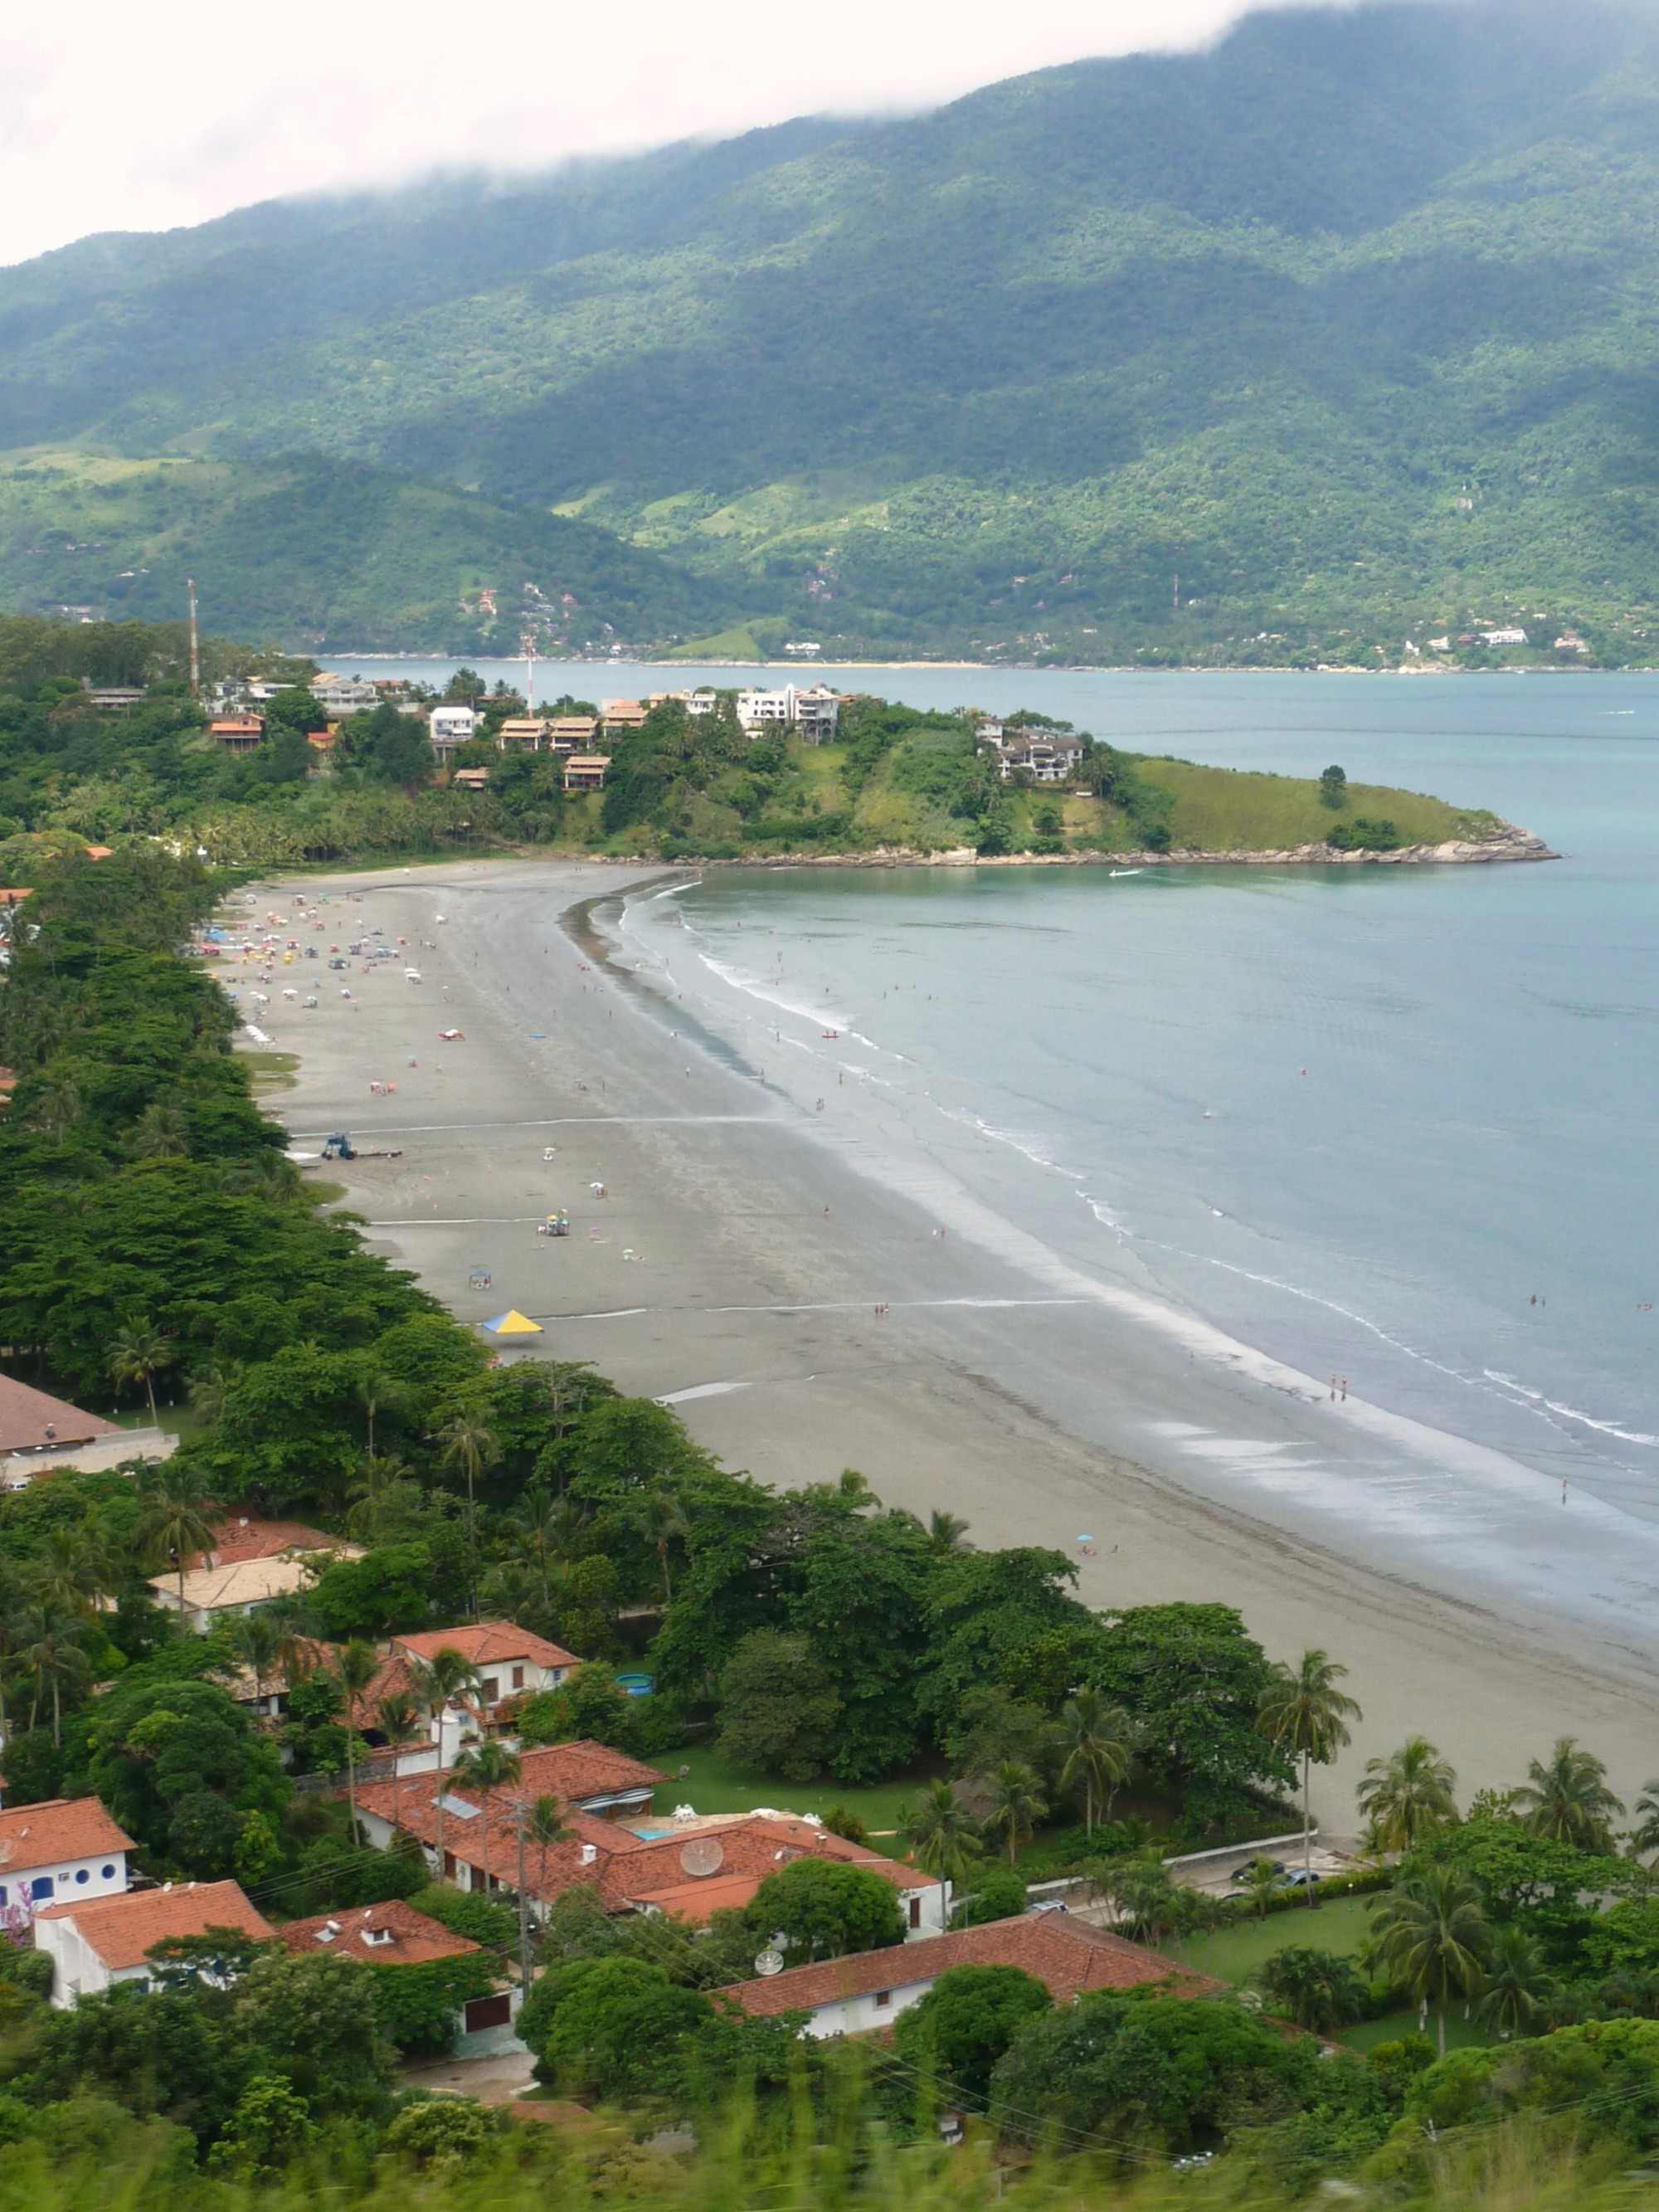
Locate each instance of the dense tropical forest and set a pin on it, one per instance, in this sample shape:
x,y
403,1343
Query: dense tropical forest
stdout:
x,y
680,786
157,1240
1336,335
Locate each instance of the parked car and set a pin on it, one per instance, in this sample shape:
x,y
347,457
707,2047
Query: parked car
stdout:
x,y
1048,1904
1300,1878
1244,1873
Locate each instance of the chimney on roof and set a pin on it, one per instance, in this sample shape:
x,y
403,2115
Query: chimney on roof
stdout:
x,y
590,1852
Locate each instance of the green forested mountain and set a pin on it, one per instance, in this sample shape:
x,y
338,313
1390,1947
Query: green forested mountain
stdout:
x,y
1350,324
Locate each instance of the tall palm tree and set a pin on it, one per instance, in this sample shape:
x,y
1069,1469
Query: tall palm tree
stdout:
x,y
546,1826
355,1670
1566,1797
256,1640
399,1722
57,1108
179,1516
664,1518
74,1571
947,1532
1262,1883
374,1478
138,1354
298,1628
441,1681
378,1394
160,1132
1097,1735
487,1766
944,1833
540,1519
1408,1795
511,1590
1017,1802
470,1445
208,1394
1307,1715
52,1654
1432,1934
1520,1987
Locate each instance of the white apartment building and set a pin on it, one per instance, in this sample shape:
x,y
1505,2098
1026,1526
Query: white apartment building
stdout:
x,y
451,728
343,694
814,715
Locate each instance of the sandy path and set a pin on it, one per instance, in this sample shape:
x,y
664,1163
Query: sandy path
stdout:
x,y
757,1263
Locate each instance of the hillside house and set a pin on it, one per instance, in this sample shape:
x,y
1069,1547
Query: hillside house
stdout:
x,y
813,715
1044,755
343,694
860,1994
621,714
238,733
521,734
66,1848
586,772
450,728
95,1945
253,1561
44,1435
572,733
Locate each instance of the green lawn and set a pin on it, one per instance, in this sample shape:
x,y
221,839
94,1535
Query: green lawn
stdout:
x,y
1460,2033
703,1779
1233,1954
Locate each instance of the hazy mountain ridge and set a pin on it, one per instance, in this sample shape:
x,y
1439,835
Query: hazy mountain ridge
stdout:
x,y
1351,321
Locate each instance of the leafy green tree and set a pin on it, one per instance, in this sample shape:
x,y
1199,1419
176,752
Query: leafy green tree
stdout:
x,y
1523,1876
269,2129
155,1746
590,1704
52,1654
1306,1714
1566,1798
825,1908
1432,1934
1174,2074
419,2008
614,2027
1195,1683
944,1833
313,2021
778,1710
1408,1795
1333,787
1316,1988
447,2130
959,2030
998,1893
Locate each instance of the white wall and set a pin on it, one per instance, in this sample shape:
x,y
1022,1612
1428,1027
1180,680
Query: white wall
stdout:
x,y
70,1880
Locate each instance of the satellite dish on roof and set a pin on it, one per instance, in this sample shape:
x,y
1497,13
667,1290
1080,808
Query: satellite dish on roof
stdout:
x,y
702,1855
769,1962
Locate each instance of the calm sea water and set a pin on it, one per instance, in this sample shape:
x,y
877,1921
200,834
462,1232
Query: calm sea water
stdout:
x,y
1398,1126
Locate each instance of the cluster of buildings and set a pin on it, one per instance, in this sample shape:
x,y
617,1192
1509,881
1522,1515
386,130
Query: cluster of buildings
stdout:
x,y
1045,756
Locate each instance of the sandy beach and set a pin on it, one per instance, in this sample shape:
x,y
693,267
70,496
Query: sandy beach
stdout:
x,y
735,1267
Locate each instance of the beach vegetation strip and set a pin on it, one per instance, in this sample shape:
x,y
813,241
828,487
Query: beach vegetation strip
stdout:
x,y
288,786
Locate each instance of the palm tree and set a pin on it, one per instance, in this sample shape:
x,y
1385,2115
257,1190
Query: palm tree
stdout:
x,y
1646,1838
1568,1797
664,1518
208,1394
256,1640
545,1826
375,1477
376,1394
1261,1883
1017,1802
470,1447
1520,1987
944,1833
1408,1795
539,1517
298,1629
160,1132
1097,1738
138,1354
488,1766
1432,1934
355,1671
74,1571
52,1654
179,1516
1307,1715
57,1108
399,1722
511,1590
439,1683
947,1532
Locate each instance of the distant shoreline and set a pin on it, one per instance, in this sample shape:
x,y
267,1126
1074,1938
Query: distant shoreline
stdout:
x,y
995,667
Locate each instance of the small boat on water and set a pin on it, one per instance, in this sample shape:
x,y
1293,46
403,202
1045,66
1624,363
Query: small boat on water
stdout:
x,y
831,1033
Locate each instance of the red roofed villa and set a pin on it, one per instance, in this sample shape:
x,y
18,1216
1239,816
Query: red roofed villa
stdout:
x,y
66,1848
859,1994
390,1934
108,1940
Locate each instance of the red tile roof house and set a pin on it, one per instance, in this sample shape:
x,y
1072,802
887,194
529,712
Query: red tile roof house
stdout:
x,y
512,1665
685,1867
65,1849
859,1995
109,1940
395,1934
42,1434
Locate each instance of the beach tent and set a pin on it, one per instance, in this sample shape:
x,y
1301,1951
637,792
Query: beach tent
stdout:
x,y
513,1323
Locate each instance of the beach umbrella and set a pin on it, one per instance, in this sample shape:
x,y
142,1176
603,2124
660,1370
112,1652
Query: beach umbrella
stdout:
x,y
513,1323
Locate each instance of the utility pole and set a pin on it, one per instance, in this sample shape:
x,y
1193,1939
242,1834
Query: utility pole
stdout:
x,y
195,649
1175,602
524,1907
528,642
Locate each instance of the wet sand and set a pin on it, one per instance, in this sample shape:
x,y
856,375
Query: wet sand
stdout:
x,y
735,1267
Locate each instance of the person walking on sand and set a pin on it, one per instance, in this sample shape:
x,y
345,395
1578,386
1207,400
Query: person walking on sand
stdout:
x,y
1345,1389
1332,1389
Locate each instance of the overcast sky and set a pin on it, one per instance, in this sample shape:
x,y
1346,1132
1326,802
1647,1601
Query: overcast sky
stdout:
x,y
120,117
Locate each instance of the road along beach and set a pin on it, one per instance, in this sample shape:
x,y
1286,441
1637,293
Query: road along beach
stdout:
x,y
808,1302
